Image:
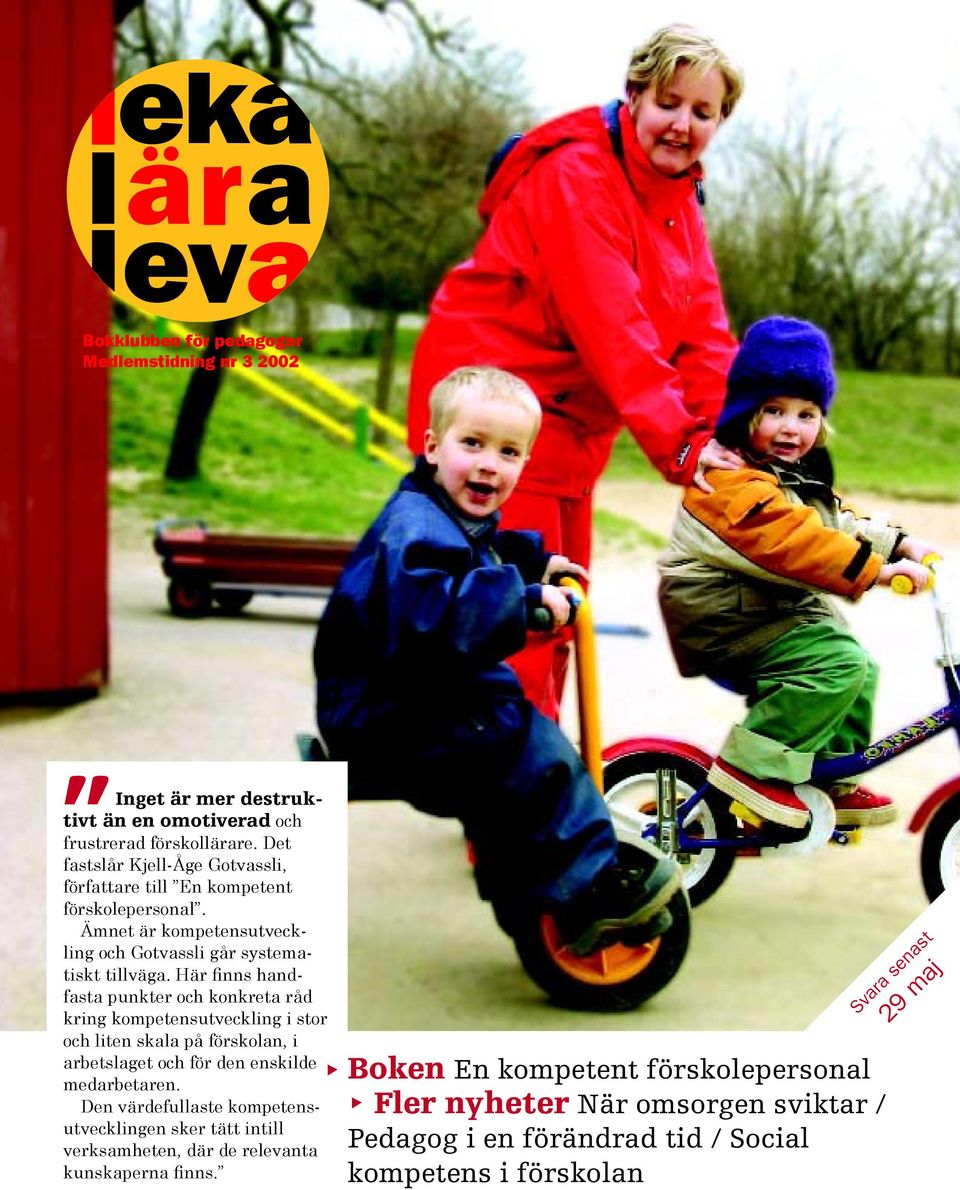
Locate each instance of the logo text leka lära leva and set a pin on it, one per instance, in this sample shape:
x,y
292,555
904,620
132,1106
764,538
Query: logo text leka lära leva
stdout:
x,y
200,190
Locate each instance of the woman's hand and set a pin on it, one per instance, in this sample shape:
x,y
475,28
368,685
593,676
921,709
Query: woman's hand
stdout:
x,y
559,564
715,455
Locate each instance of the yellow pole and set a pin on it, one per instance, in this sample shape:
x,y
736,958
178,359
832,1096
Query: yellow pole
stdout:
x,y
588,685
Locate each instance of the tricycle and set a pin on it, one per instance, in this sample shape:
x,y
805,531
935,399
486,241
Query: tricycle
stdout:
x,y
617,977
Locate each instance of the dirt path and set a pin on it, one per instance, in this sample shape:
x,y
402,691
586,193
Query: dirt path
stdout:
x,y
775,946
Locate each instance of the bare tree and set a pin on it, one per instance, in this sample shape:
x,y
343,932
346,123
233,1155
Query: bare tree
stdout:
x,y
770,222
147,36
796,233
941,170
887,276
273,38
410,174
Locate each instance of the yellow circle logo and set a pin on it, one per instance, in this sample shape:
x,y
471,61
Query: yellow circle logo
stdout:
x,y
197,190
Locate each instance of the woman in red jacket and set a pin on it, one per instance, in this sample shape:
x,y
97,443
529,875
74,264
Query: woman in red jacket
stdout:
x,y
594,282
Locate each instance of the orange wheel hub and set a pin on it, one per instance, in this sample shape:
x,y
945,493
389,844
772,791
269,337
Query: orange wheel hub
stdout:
x,y
611,964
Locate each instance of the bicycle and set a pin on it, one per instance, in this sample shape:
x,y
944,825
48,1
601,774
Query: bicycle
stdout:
x,y
616,978
657,790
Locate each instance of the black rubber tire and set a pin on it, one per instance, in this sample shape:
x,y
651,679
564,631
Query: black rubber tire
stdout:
x,y
633,778
189,598
940,849
232,602
616,979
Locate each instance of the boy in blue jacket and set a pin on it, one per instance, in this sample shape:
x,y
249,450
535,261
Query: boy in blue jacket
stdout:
x,y
413,689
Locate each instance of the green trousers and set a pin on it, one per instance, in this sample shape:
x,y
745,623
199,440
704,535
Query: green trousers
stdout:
x,y
809,694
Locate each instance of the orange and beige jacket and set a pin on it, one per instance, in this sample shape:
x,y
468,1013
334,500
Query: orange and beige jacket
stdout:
x,y
755,557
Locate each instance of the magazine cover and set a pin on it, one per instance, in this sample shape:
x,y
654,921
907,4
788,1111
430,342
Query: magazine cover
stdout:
x,y
479,501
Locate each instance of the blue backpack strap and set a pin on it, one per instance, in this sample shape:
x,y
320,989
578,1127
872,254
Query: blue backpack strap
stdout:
x,y
497,158
610,114
611,121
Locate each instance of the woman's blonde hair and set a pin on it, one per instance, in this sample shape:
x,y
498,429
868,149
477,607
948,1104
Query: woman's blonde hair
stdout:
x,y
654,63
490,384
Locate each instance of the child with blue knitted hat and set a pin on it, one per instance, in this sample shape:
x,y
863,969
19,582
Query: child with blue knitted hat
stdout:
x,y
745,578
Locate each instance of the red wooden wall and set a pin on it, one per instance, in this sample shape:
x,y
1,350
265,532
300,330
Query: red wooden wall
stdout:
x,y
55,64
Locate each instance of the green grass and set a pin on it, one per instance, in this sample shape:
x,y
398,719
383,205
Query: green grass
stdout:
x,y
898,435
266,469
621,535
350,344
894,435
263,468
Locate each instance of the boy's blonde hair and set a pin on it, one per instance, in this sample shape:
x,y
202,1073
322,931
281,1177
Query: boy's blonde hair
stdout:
x,y
490,384
654,63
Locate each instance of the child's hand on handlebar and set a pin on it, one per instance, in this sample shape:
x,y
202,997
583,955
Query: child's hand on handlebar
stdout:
x,y
917,550
559,566
557,602
912,572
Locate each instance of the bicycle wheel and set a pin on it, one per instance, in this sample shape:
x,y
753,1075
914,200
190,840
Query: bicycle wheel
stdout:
x,y
614,979
940,850
630,791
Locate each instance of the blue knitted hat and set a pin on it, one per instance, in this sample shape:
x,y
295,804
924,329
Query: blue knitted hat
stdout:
x,y
778,357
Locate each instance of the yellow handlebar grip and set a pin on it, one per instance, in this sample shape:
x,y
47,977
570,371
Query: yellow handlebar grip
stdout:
x,y
901,585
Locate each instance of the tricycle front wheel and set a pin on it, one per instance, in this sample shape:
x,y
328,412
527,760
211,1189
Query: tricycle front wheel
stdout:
x,y
617,978
940,850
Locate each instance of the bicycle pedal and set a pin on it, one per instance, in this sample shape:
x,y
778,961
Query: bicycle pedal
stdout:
x,y
847,836
640,935
739,810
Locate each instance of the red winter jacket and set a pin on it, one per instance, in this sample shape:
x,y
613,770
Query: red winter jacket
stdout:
x,y
594,282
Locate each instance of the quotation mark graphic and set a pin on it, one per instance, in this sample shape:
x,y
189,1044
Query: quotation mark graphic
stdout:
x,y
75,788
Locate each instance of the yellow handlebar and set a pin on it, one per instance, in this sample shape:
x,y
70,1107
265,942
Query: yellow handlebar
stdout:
x,y
902,584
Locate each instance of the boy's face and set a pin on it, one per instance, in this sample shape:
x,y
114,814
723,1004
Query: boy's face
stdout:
x,y
787,429
482,452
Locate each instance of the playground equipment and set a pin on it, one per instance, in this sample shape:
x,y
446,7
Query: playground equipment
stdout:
x,y
357,417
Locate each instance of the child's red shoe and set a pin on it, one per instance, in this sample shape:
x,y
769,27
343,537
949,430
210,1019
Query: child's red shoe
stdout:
x,y
773,800
857,806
